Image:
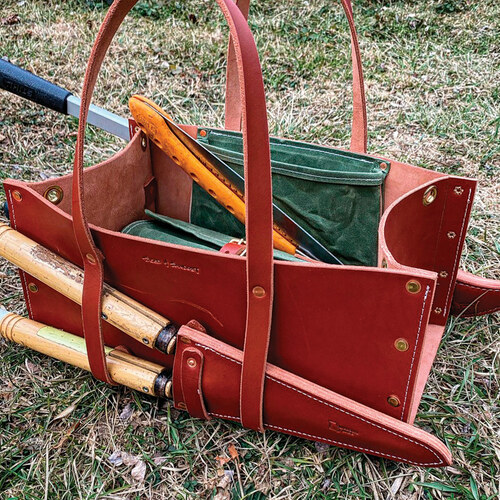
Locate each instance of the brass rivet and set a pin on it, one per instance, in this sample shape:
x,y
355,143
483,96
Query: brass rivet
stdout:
x,y
451,234
191,362
443,274
181,405
258,291
383,165
413,286
185,340
393,400
144,142
33,288
168,389
90,258
17,196
203,133
438,310
458,190
401,345
430,195
384,263
54,194
145,389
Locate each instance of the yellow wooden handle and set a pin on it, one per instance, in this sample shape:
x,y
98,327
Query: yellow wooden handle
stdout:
x,y
154,126
131,317
124,368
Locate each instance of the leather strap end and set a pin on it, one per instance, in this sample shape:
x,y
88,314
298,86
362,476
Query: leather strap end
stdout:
x,y
190,370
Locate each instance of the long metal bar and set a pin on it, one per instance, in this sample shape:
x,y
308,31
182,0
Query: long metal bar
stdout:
x,y
101,118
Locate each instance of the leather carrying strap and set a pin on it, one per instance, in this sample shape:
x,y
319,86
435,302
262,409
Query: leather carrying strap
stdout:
x,y
475,296
359,118
258,196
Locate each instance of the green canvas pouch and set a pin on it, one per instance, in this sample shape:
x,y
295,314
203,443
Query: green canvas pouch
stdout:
x,y
337,196
169,230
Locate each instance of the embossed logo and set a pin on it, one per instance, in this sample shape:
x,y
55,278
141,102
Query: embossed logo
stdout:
x,y
340,429
171,265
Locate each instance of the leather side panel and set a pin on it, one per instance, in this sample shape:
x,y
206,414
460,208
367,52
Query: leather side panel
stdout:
x,y
119,181
415,233
324,316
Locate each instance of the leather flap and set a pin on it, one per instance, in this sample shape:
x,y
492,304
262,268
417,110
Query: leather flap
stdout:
x,y
187,376
296,406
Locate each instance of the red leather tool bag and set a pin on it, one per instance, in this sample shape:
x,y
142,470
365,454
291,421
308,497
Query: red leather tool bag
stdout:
x,y
369,334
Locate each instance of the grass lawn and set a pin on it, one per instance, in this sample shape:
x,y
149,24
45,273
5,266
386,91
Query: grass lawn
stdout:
x,y
432,73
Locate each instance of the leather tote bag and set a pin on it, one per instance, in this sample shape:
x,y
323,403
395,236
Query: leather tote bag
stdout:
x,y
335,353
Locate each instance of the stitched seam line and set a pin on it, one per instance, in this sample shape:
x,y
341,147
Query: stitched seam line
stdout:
x,y
397,434
486,289
457,256
415,349
22,273
321,151
331,441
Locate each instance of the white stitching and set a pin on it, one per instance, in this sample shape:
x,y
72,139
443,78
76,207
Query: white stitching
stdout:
x,y
22,273
13,210
334,407
321,149
332,441
415,349
457,256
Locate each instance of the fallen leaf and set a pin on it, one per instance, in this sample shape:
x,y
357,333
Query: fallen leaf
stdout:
x,y
233,453
67,411
127,412
11,20
129,459
7,390
31,367
139,472
115,458
222,460
158,459
226,479
223,495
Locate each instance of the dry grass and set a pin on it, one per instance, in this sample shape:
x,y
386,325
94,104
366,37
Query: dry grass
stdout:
x,y
433,73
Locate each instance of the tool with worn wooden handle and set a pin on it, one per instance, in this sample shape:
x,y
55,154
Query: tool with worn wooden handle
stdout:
x,y
126,314
125,369
219,180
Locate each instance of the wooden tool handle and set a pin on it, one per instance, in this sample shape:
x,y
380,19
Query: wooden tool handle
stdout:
x,y
124,368
154,126
124,313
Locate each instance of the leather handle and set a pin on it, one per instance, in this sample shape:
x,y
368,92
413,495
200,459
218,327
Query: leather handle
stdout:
x,y
258,200
475,296
359,134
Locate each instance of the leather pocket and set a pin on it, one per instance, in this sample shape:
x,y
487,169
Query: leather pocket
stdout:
x,y
335,195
